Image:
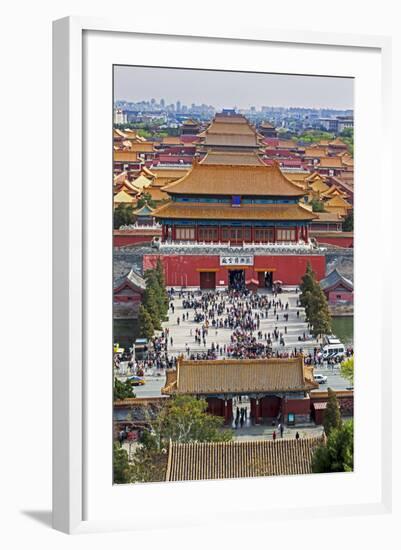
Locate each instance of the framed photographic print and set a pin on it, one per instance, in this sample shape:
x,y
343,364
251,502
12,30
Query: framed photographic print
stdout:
x,y
215,220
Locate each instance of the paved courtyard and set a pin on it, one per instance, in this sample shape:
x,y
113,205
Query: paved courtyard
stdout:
x,y
182,337
296,327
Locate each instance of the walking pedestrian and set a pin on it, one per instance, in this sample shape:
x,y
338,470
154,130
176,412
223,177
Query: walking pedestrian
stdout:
x,y
274,435
297,436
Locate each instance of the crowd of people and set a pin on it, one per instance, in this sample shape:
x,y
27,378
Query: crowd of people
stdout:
x,y
239,311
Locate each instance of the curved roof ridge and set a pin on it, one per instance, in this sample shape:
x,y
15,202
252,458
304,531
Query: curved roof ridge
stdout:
x,y
290,189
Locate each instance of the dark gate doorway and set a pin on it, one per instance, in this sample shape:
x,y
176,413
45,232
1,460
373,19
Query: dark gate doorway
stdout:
x,y
236,279
265,279
207,280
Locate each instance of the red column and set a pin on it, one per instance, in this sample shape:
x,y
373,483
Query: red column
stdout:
x,y
227,410
257,411
297,233
306,233
173,233
252,234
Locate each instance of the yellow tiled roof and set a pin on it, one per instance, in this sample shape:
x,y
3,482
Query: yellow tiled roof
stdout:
x,y
286,144
328,217
230,179
143,147
239,376
141,182
298,178
337,200
148,173
217,211
238,459
156,193
125,156
334,190
318,186
315,152
171,140
232,158
240,140
230,131
172,173
337,143
330,162
122,196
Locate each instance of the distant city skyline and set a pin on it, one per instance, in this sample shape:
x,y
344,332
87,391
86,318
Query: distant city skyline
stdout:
x,y
223,89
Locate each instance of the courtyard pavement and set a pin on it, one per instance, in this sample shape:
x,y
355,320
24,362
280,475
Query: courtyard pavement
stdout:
x,y
181,334
296,326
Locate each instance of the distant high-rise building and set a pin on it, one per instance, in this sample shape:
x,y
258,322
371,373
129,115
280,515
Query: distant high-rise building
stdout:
x,y
178,106
120,117
162,102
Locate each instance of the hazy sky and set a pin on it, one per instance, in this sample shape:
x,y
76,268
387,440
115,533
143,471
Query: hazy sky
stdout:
x,y
231,89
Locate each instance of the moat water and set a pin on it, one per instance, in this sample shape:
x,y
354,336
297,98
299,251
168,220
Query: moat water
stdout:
x,y
343,327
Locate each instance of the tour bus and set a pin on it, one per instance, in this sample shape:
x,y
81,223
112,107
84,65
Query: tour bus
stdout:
x,y
141,349
333,348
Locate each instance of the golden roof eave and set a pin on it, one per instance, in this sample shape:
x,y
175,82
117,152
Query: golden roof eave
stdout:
x,y
235,179
237,376
269,212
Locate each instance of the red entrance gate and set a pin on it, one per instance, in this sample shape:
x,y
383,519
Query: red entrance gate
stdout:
x,y
207,280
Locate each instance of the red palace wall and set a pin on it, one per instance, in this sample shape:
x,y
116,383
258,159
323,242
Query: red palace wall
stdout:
x,y
184,270
343,296
343,242
296,406
126,238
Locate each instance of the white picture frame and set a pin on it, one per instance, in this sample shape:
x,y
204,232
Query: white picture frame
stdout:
x,y
70,261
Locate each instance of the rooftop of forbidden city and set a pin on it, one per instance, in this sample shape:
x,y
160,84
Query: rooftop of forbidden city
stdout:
x,y
239,376
233,158
236,459
183,210
232,179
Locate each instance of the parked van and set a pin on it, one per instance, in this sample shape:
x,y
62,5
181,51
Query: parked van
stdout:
x,y
333,348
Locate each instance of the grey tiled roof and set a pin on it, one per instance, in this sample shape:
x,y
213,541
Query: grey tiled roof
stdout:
x,y
333,278
133,277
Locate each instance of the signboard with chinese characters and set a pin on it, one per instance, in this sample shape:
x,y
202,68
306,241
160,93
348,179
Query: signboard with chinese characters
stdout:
x,y
236,260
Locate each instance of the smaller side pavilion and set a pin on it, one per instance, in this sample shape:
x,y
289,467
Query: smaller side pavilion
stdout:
x,y
276,387
127,295
144,215
337,289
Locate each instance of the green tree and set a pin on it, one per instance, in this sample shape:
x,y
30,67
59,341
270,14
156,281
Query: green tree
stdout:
x,y
307,284
332,415
347,369
123,215
337,455
155,279
122,390
347,136
317,206
314,301
145,323
151,304
146,198
121,468
347,133
183,419
187,420
348,224
314,136
318,312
